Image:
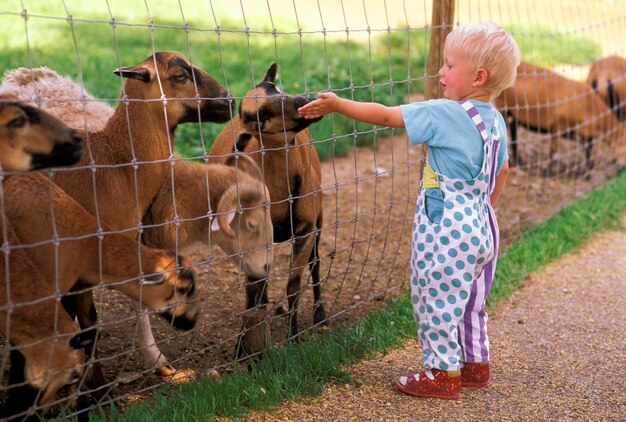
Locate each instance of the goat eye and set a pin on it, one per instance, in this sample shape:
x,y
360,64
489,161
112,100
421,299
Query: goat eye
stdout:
x,y
18,122
180,77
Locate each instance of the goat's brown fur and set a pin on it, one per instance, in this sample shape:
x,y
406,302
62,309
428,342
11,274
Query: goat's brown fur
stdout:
x,y
139,138
199,190
112,259
32,139
44,338
132,149
40,331
544,101
269,129
82,259
608,77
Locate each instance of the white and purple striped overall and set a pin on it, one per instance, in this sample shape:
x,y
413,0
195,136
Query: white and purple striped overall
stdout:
x,y
453,258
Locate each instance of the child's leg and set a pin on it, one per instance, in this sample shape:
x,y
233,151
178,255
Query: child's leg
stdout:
x,y
473,327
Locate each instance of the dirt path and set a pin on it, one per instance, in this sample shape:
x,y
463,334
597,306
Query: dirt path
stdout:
x,y
557,354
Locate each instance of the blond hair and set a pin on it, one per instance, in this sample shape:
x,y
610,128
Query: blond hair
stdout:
x,y
488,46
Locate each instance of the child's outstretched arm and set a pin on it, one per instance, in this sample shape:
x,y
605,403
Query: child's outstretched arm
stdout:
x,y
500,182
374,113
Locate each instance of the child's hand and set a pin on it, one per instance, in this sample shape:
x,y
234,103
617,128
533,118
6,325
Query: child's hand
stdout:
x,y
326,102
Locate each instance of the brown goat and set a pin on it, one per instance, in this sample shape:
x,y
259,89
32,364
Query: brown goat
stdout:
x,y
269,129
82,257
239,202
31,139
163,234
607,77
44,338
127,162
131,152
544,101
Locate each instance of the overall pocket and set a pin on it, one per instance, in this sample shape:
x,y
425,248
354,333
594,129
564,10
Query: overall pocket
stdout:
x,y
433,204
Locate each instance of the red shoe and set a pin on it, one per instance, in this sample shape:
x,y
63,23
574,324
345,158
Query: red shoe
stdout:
x,y
475,374
431,383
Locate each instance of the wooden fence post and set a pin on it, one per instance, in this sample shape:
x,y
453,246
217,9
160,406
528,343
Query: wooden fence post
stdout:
x,y
441,25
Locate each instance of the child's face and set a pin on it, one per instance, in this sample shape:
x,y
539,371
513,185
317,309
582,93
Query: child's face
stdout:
x,y
457,75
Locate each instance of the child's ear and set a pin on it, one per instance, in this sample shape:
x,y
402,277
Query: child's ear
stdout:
x,y
480,78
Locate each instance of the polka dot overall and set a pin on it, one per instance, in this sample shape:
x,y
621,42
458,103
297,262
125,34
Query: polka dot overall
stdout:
x,y
454,245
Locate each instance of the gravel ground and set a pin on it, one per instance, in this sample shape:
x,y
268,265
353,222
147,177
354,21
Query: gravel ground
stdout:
x,y
556,347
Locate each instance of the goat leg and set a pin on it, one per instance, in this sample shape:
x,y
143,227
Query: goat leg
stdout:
x,y
319,313
152,356
255,332
79,304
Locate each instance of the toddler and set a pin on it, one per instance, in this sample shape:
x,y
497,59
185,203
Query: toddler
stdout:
x,y
455,232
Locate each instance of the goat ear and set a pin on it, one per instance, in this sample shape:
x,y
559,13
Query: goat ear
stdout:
x,y
8,97
216,227
251,167
133,72
242,141
84,339
156,278
252,225
270,75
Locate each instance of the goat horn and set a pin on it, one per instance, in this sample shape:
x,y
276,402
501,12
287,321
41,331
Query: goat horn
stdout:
x,y
228,203
239,193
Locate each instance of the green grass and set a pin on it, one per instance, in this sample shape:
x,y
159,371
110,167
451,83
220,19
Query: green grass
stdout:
x,y
302,370
384,67
548,48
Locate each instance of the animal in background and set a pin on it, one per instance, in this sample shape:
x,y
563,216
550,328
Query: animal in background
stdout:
x,y
269,129
607,77
543,101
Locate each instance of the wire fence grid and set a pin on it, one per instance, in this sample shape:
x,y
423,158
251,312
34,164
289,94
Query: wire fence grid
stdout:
x,y
138,216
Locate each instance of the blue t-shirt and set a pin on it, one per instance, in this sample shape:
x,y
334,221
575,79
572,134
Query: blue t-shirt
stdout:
x,y
455,147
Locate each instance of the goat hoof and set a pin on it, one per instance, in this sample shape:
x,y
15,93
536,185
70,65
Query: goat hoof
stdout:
x,y
319,316
166,370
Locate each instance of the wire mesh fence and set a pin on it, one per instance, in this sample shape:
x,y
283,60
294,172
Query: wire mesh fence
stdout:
x,y
203,195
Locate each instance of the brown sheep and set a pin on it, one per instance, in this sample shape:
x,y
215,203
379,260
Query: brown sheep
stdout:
x,y
32,139
128,158
44,338
607,77
176,78
162,211
269,129
234,194
544,101
131,152
68,249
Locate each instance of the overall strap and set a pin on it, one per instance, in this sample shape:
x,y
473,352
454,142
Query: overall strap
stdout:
x,y
473,113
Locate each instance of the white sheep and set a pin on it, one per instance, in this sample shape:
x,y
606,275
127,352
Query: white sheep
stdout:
x,y
52,92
